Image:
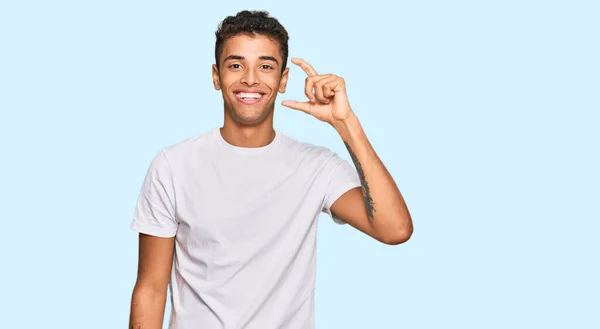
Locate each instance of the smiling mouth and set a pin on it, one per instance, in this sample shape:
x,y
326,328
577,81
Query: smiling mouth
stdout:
x,y
249,98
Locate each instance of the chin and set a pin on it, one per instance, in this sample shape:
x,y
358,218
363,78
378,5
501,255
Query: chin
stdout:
x,y
249,116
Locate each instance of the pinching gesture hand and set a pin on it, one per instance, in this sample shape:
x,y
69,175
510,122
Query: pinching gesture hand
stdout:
x,y
327,96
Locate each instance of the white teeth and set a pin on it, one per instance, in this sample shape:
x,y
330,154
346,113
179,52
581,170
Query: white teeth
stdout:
x,y
249,95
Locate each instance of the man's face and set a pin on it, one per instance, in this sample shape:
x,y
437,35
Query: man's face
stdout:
x,y
250,77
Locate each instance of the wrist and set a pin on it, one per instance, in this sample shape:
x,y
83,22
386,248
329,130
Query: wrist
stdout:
x,y
348,127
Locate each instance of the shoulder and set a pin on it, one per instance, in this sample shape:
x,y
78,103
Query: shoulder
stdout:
x,y
170,157
306,156
304,149
196,142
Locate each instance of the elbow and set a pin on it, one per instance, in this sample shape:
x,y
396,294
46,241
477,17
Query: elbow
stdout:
x,y
398,236
396,239
150,288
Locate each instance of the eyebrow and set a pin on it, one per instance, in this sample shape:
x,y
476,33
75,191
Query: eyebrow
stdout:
x,y
238,57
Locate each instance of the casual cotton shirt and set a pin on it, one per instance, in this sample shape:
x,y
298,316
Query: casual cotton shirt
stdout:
x,y
245,223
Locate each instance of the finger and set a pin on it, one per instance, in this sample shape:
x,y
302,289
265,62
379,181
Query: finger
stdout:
x,y
324,88
332,86
295,105
305,67
310,89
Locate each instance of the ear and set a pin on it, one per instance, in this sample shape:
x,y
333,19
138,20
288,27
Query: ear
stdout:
x,y
284,80
215,77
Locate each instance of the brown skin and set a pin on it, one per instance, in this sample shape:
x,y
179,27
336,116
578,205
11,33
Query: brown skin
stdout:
x,y
150,292
245,64
377,208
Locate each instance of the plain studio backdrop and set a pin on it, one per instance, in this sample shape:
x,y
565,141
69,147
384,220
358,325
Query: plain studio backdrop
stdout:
x,y
485,112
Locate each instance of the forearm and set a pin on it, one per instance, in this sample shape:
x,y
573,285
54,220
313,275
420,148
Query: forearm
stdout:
x,y
384,203
147,308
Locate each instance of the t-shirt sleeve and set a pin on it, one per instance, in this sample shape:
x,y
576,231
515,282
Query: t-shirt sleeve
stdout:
x,y
343,177
155,209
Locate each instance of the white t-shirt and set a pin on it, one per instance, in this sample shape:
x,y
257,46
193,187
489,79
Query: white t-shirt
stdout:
x,y
245,222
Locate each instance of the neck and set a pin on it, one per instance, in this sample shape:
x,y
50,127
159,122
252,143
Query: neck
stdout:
x,y
251,136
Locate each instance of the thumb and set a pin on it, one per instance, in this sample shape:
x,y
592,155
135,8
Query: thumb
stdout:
x,y
300,106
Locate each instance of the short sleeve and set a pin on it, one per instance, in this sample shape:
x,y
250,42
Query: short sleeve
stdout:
x,y
343,177
155,209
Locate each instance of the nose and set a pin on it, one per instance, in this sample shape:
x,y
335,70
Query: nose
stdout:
x,y
250,78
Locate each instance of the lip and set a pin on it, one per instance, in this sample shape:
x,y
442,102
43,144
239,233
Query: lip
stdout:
x,y
237,91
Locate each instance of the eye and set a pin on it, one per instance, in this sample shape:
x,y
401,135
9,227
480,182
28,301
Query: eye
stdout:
x,y
266,67
235,66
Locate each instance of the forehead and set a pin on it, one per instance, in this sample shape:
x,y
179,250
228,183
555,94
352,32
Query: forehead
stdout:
x,y
251,47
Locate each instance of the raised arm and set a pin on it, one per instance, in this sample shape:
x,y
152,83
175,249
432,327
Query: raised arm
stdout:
x,y
150,292
377,208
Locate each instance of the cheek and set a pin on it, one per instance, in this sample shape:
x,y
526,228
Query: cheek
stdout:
x,y
272,82
229,79
227,82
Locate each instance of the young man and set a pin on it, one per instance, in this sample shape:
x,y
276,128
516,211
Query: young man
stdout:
x,y
229,217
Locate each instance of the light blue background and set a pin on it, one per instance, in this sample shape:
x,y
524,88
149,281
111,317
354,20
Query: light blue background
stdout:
x,y
485,112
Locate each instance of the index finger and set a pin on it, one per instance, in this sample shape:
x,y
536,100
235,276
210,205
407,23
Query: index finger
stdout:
x,y
305,66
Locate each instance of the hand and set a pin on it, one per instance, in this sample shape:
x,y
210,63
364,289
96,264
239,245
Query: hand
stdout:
x,y
327,96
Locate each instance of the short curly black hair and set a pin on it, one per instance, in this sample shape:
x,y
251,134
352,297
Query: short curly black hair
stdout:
x,y
250,23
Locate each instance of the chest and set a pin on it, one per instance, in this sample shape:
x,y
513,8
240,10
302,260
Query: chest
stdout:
x,y
223,202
